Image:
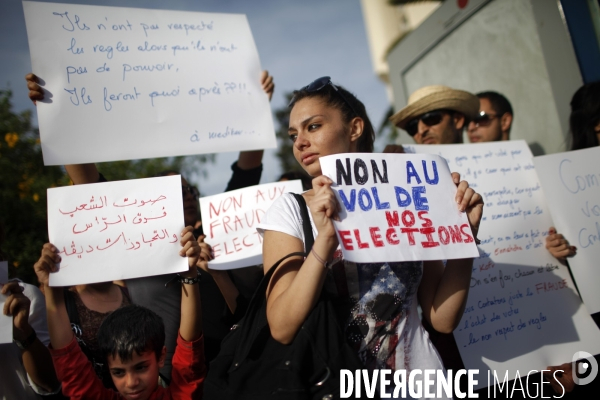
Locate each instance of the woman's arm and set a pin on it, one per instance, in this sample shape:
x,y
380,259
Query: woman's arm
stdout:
x,y
190,327
296,284
443,291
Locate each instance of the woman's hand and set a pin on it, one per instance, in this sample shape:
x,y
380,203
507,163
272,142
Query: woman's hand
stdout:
x,y
47,263
35,90
323,206
266,81
469,201
191,250
206,254
558,246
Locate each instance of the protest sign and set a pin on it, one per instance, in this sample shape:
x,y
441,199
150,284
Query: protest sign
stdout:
x,y
6,323
229,220
397,207
116,230
523,312
571,182
128,83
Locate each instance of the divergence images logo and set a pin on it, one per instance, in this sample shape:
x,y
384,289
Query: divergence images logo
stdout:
x,y
587,361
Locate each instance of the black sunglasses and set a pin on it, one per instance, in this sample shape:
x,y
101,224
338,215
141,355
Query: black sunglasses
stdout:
x,y
430,119
319,84
191,190
484,119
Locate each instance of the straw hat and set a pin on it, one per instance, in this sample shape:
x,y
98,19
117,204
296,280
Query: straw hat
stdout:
x,y
436,97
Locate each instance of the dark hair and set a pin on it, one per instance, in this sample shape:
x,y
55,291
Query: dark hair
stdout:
x,y
500,104
168,172
585,116
303,176
131,329
355,109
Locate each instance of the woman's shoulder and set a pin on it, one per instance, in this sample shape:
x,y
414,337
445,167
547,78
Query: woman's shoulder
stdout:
x,y
283,216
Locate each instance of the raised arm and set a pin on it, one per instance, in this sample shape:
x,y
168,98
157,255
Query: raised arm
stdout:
x,y
79,173
253,159
58,319
296,284
226,286
35,355
443,291
190,327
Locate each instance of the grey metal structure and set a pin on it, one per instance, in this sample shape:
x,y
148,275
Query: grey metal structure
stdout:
x,y
520,48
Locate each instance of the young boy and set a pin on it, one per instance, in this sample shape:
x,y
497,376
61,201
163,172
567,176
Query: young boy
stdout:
x,y
132,338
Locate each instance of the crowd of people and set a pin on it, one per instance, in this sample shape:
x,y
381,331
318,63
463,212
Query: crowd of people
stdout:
x,y
142,339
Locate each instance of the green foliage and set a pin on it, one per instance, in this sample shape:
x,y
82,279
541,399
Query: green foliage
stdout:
x,y
134,169
387,126
23,183
285,146
24,180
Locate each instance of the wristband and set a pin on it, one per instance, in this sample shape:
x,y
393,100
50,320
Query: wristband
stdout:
x,y
181,279
319,259
24,344
188,281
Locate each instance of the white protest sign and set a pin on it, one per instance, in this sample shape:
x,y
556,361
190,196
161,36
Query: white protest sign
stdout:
x,y
116,230
523,312
229,221
6,322
126,83
571,182
397,207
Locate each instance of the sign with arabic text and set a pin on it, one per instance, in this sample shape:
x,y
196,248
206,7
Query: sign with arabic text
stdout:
x,y
116,230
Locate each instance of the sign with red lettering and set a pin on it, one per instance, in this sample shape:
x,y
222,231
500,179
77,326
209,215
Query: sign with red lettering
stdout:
x,y
116,230
230,219
397,207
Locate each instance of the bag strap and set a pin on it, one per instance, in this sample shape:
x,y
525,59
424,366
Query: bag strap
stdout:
x,y
309,239
255,318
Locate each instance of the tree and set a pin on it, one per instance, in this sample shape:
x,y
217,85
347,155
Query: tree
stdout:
x,y
24,180
285,145
23,183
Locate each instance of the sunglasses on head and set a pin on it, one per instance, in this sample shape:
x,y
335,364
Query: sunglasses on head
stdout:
x,y
430,119
484,119
319,84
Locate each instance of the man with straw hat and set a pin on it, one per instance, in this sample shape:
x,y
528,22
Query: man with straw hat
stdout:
x,y
437,114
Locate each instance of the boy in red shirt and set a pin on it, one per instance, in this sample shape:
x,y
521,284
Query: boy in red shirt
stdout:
x,y
132,338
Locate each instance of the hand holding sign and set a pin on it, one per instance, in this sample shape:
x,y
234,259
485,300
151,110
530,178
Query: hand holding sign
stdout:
x,y
400,207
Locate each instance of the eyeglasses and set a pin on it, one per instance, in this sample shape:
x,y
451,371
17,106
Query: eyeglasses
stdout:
x,y
484,119
191,190
319,84
430,119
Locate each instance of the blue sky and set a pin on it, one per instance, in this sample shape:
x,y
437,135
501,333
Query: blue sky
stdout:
x,y
297,41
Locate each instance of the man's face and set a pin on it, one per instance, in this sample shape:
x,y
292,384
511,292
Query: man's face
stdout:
x,y
437,127
136,378
487,127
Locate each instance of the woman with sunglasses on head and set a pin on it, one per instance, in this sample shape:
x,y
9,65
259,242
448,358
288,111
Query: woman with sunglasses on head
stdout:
x,y
381,322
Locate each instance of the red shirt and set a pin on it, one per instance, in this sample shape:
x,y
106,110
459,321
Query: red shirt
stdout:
x,y
79,381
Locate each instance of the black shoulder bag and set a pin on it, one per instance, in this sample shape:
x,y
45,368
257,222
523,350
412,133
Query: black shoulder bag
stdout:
x,y
252,365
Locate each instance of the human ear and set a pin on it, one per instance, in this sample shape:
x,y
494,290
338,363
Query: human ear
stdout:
x,y
459,121
505,122
357,126
161,359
